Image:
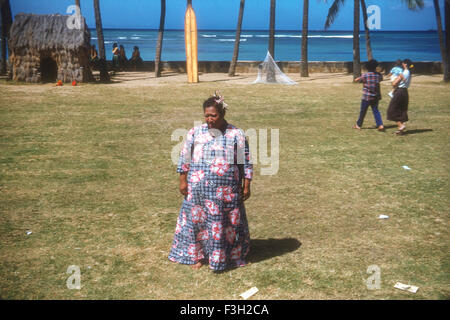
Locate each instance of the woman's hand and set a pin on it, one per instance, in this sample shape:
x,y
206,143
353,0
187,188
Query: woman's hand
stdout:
x,y
183,184
245,192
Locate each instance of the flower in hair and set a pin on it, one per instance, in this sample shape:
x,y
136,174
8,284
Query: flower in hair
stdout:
x,y
220,99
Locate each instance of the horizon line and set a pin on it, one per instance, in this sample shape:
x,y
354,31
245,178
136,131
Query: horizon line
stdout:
x,y
246,30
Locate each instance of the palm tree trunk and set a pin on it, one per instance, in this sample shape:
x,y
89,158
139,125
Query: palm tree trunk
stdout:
x,y
304,66
366,29
160,39
356,53
3,65
99,28
104,76
232,70
272,29
447,40
440,32
5,10
77,3
271,70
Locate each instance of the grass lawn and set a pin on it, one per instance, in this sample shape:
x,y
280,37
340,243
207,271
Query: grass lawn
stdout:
x,y
88,170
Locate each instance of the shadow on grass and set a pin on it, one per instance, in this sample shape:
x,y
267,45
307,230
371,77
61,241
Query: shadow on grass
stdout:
x,y
326,76
385,127
228,79
263,249
416,131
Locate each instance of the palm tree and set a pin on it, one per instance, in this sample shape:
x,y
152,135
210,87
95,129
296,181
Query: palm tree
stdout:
x,y
356,52
366,30
5,9
232,70
414,4
440,32
77,3
272,29
332,13
160,39
447,40
271,70
304,64
104,76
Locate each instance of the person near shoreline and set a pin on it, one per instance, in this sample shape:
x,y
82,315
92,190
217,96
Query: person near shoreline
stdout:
x,y
94,59
371,95
215,176
123,61
398,107
136,60
116,54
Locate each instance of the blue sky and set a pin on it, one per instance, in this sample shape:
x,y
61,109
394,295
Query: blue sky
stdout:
x,y
222,14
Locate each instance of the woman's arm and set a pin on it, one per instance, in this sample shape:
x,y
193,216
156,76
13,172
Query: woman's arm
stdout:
x,y
398,80
246,189
248,170
183,183
184,161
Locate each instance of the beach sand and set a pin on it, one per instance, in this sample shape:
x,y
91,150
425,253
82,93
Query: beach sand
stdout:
x,y
137,79
144,79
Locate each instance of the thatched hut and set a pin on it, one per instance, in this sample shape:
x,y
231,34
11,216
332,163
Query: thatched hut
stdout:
x,y
45,49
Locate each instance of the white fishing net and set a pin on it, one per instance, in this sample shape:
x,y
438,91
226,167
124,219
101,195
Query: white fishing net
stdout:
x,y
268,72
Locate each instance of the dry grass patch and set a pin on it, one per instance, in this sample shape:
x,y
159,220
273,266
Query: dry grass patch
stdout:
x,y
88,170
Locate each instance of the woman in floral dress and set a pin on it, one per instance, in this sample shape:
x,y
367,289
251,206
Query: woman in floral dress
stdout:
x,y
215,175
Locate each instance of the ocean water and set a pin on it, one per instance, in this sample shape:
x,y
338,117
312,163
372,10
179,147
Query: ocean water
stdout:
x,y
214,45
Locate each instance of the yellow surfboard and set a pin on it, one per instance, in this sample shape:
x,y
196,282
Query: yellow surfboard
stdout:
x,y
190,37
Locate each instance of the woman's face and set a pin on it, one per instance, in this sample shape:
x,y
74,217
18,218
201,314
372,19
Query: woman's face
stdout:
x,y
213,118
405,65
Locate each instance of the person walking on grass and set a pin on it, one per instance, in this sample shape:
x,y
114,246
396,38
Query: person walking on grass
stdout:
x,y
398,107
371,95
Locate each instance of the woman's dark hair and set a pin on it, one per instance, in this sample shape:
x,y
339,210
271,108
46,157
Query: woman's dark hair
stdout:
x,y
114,45
409,64
371,65
212,102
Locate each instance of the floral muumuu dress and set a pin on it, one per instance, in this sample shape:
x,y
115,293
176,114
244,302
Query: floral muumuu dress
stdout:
x,y
212,223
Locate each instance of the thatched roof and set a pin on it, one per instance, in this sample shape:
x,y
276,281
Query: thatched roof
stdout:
x,y
47,32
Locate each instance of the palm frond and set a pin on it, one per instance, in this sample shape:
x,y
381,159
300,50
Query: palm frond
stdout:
x,y
333,12
414,4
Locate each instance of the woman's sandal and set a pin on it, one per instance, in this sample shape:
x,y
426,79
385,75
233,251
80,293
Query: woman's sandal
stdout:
x,y
400,130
